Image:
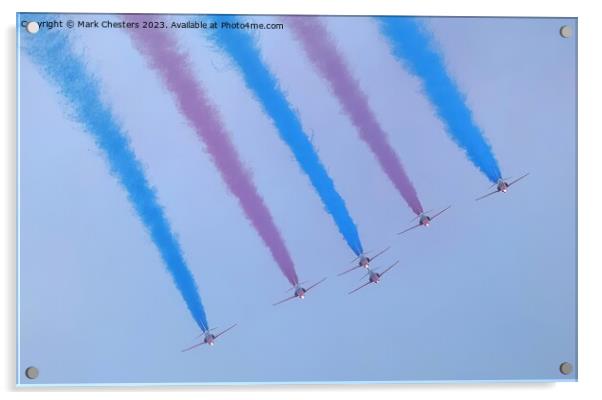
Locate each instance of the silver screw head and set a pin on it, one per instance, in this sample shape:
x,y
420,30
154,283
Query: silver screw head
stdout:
x,y
32,372
32,27
566,31
566,368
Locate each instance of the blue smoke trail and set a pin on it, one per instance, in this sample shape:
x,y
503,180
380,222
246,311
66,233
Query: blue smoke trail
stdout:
x,y
241,48
53,53
412,45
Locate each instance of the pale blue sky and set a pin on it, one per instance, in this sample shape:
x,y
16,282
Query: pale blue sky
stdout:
x,y
488,292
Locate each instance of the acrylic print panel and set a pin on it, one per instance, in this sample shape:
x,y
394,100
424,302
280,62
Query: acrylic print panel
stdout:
x,y
182,175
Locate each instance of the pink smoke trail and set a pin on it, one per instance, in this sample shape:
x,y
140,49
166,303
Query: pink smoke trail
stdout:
x,y
161,50
323,53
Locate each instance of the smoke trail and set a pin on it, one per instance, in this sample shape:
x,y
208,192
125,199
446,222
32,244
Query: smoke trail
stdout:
x,y
413,47
323,53
52,52
240,46
160,49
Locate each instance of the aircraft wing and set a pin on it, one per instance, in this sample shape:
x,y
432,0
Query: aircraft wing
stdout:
x,y
315,284
378,254
224,331
440,212
349,270
364,285
194,346
282,301
365,275
388,269
355,259
487,195
518,179
409,229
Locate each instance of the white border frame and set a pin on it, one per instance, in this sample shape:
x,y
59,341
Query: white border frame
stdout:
x,y
589,199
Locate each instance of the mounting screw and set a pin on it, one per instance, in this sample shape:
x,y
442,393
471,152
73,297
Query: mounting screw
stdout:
x,y
566,31
32,27
566,368
32,372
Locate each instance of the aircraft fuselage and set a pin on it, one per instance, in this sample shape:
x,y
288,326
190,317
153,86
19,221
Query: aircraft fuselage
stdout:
x,y
364,261
300,292
374,277
210,339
